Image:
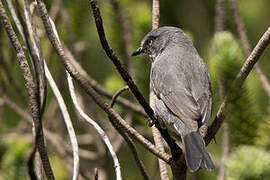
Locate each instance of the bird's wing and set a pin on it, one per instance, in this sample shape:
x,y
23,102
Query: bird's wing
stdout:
x,y
172,88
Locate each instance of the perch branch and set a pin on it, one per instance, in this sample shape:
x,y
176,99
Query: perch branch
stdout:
x,y
126,77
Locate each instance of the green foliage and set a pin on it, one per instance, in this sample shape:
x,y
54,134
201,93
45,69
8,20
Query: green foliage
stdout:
x,y
60,171
114,83
14,159
225,62
248,163
263,138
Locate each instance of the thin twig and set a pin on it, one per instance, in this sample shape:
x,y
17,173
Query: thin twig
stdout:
x,y
68,122
31,89
219,26
100,131
89,90
130,143
225,152
241,76
115,96
69,126
132,147
246,45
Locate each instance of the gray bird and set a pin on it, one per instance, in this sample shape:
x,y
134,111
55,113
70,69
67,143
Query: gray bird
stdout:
x,y
181,92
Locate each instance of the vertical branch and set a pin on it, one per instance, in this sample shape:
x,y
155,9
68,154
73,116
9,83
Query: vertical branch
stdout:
x,y
32,92
157,137
155,14
246,45
220,16
219,26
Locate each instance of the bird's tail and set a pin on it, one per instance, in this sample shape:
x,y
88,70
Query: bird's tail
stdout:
x,y
195,152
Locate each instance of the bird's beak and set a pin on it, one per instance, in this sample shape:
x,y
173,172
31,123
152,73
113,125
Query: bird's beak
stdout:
x,y
137,52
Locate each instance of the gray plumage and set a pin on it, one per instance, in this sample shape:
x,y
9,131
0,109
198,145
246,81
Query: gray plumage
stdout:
x,y
181,92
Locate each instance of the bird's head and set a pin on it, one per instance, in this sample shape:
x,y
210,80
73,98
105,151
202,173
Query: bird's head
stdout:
x,y
156,41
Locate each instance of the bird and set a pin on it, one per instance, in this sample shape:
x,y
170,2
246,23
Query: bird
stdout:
x,y
181,91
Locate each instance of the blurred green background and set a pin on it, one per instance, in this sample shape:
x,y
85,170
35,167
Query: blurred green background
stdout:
x,y
248,117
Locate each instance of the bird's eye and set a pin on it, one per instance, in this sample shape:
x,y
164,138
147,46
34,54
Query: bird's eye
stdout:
x,y
149,42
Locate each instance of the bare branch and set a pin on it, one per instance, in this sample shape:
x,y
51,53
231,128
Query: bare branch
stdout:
x,y
68,122
100,131
89,90
246,45
220,16
118,94
130,142
32,42
155,14
241,76
31,89
225,152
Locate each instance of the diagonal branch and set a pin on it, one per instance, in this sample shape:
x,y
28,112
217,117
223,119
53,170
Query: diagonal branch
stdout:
x,y
241,76
128,139
246,45
126,77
